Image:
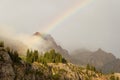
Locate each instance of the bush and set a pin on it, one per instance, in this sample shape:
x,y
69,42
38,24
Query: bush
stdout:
x,y
13,55
56,77
1,44
1,58
32,56
92,68
112,78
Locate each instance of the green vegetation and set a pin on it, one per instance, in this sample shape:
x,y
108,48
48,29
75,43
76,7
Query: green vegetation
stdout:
x,y
1,58
51,71
117,78
53,57
92,68
62,71
32,56
48,57
14,55
56,77
1,44
114,78
86,78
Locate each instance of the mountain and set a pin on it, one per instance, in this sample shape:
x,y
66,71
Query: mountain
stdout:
x,y
81,56
37,41
113,66
47,43
100,59
12,67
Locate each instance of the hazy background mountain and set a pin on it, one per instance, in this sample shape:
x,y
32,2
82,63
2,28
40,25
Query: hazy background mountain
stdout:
x,y
94,25
113,66
47,43
101,59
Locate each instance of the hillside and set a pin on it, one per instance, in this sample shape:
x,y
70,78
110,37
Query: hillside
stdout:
x,y
39,41
112,66
81,56
12,67
101,59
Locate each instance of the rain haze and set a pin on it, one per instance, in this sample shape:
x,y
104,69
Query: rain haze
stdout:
x,y
94,25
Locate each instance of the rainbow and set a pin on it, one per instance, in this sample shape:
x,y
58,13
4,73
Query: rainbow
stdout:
x,y
76,8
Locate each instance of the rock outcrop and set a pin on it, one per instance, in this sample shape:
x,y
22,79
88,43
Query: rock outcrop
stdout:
x,y
6,68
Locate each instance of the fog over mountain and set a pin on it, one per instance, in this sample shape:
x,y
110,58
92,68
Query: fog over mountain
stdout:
x,y
36,41
101,59
94,25
59,39
44,42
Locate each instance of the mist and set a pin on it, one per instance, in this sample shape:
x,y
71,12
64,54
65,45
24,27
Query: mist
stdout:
x,y
94,26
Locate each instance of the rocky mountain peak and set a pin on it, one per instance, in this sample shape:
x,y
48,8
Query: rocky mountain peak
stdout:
x,y
100,51
44,36
37,34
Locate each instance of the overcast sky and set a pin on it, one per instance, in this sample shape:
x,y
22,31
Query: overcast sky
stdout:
x,y
96,25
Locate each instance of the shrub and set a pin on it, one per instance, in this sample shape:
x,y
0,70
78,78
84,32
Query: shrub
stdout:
x,y
56,77
112,78
1,58
1,44
32,56
13,55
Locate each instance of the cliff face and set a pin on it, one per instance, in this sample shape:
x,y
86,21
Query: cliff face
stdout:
x,y
12,70
6,68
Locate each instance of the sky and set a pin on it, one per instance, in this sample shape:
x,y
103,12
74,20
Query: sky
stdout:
x,y
94,25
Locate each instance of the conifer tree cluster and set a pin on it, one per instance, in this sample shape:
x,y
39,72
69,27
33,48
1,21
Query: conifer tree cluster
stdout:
x,y
89,67
53,57
48,57
14,55
32,56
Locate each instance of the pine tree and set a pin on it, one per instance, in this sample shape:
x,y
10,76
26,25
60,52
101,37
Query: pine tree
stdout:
x,y
29,56
35,56
16,57
88,67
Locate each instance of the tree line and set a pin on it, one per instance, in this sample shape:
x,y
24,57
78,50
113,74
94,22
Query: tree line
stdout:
x,y
48,57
